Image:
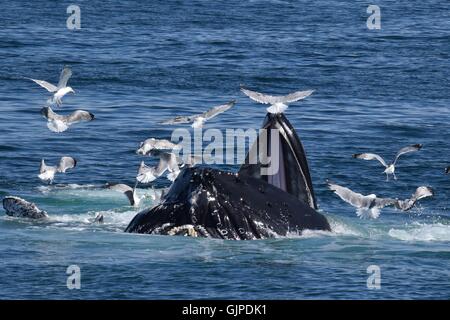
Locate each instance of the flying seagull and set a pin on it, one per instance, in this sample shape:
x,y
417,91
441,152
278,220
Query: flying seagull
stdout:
x,y
172,165
390,168
61,89
278,104
129,192
148,174
156,144
199,119
47,173
369,206
59,123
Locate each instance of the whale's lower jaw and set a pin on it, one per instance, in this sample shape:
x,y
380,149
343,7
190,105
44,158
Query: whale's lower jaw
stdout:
x,y
206,202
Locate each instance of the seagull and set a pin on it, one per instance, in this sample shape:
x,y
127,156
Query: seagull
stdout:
x,y
172,165
447,170
129,192
420,193
390,169
61,89
369,206
278,104
47,173
148,174
199,119
59,123
156,144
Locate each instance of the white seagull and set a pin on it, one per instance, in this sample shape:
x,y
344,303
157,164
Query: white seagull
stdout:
x,y
278,104
59,123
47,173
199,119
171,162
61,89
369,206
156,144
148,174
390,168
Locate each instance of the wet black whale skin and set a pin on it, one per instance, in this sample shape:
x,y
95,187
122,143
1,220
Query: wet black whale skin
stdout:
x,y
228,206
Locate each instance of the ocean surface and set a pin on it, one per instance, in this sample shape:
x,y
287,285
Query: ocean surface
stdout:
x,y
136,63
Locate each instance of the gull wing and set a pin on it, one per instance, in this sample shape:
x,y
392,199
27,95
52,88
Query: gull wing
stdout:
x,y
66,163
179,119
126,190
370,156
408,149
384,202
66,73
44,84
349,196
42,167
268,99
211,113
48,113
420,193
169,161
79,115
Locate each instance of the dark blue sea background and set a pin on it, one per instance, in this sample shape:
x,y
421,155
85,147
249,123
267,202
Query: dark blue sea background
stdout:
x,y
136,63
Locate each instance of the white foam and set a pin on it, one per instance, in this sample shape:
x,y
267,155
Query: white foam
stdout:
x,y
422,232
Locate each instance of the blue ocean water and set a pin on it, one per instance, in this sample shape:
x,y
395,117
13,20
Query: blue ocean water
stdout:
x,y
138,62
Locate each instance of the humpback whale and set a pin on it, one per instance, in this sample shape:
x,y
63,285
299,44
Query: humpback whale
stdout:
x,y
18,207
207,202
21,208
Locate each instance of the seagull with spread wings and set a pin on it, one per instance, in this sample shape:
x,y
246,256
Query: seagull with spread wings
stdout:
x,y
60,90
59,123
47,173
199,119
278,104
369,206
150,144
390,168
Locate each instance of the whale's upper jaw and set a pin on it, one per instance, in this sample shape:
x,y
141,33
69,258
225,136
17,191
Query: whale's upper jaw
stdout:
x,y
293,175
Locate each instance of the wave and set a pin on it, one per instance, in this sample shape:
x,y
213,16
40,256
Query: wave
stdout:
x,y
422,232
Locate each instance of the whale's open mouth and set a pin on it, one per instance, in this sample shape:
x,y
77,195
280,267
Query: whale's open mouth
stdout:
x,y
248,205
293,174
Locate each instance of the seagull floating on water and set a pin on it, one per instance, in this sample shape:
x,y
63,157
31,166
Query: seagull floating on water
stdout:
x,y
47,173
59,123
278,104
199,119
447,170
61,89
390,168
156,144
369,206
